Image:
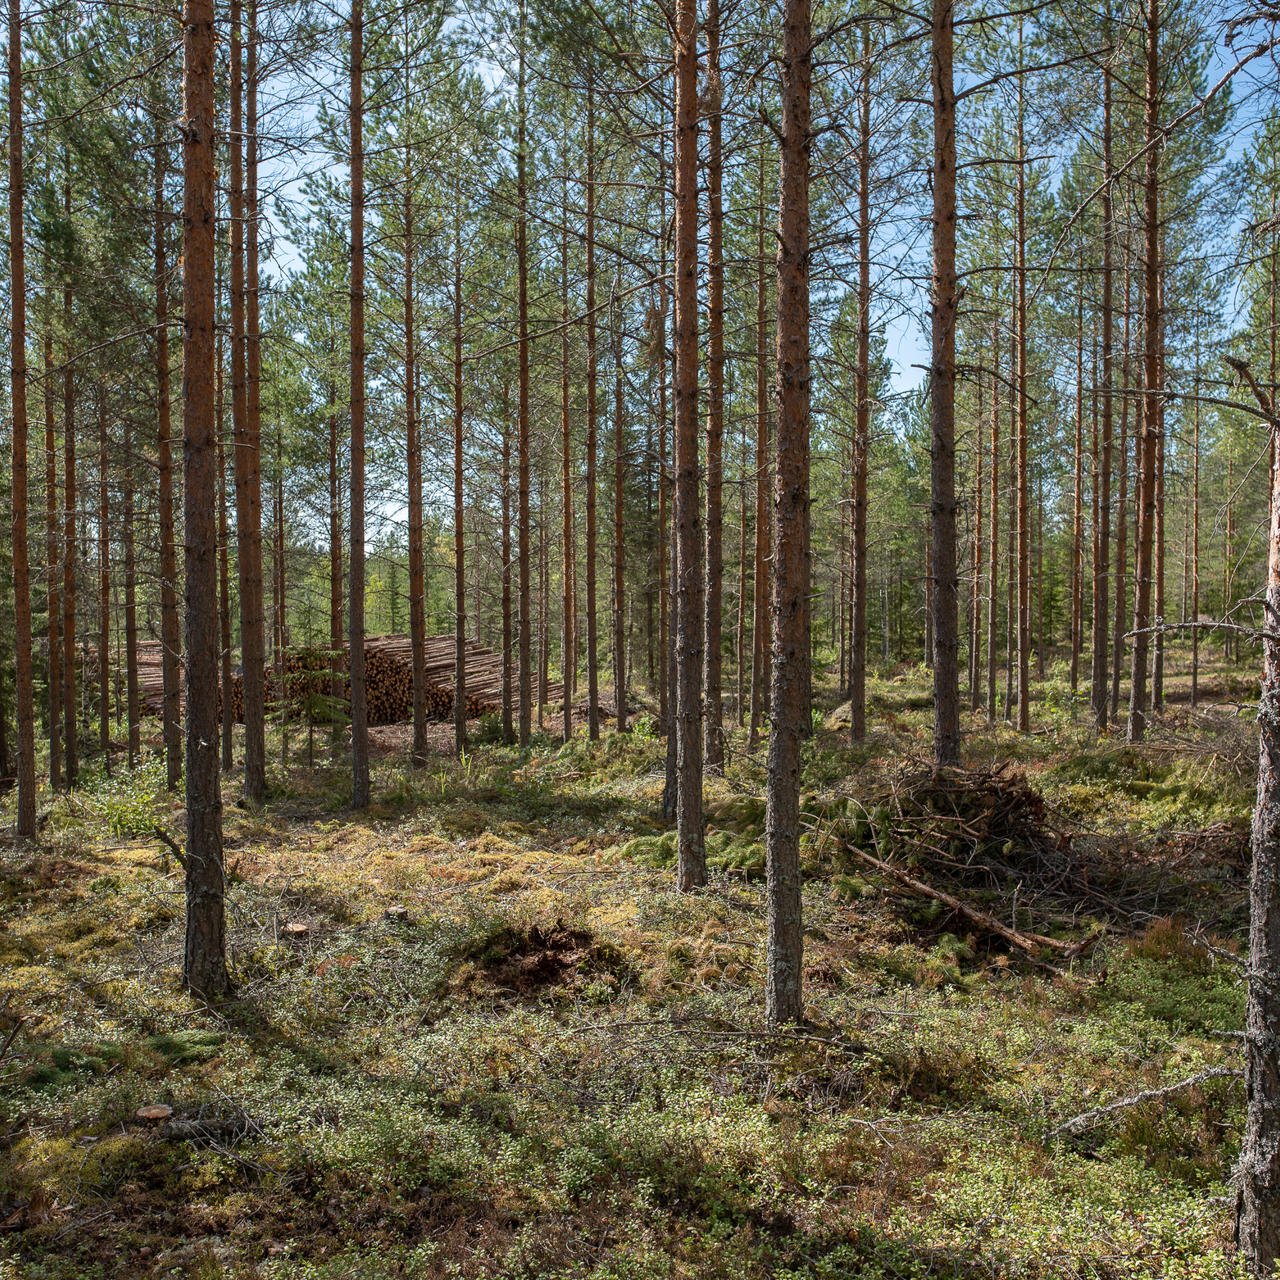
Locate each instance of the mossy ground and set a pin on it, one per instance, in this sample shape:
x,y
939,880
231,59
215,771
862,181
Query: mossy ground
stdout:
x,y
550,1064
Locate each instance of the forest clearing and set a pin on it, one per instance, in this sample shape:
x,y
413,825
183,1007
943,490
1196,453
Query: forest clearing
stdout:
x,y
477,1031
640,641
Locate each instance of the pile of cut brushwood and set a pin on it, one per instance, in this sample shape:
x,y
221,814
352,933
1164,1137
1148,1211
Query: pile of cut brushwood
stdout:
x,y
985,846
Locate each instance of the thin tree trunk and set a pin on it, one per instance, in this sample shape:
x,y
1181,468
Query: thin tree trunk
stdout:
x,y
568,637
690,616
946,639
170,636
862,411
204,965
784,995
1148,436
1195,534
508,724
459,523
713,699
53,567
132,694
246,457
355,619
593,656
975,595
760,611
335,569
224,573
619,522
522,440
1077,494
70,536
1102,537
24,698
413,449
993,549
1122,522
1020,473
104,591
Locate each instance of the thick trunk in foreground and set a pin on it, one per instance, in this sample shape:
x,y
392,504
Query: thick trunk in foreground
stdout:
x,y
23,693
789,709
70,537
1258,1169
205,965
946,586
689,620
355,619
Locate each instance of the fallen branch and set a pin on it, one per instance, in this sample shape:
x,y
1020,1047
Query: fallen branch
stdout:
x,y
1088,1119
1031,943
172,845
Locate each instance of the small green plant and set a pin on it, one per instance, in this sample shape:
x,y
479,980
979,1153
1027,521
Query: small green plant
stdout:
x,y
129,798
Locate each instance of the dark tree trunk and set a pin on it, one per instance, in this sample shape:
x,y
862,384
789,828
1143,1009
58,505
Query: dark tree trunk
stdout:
x,y
24,693
170,637
1144,535
70,535
789,687
568,584
619,524
53,568
355,619
224,574
690,617
205,965
764,529
132,695
246,458
993,544
946,586
413,450
1102,533
522,430
862,412
459,524
713,731
104,591
593,655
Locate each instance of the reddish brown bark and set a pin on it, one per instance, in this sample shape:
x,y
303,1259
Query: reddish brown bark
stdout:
x,y
23,690
204,965
789,707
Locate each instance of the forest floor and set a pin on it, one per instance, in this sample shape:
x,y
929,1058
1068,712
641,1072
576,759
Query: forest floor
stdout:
x,y
478,1033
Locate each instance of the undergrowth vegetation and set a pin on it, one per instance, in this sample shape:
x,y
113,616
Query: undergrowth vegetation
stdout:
x,y
477,1033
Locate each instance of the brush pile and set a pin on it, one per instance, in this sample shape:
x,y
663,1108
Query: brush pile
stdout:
x,y
988,836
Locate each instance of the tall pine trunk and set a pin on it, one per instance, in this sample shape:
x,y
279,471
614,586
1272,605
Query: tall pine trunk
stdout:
x,y
204,965
23,692
789,709
713,725
946,638
355,619
689,619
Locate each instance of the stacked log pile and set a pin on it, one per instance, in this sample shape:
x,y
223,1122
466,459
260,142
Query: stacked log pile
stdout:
x,y
389,679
